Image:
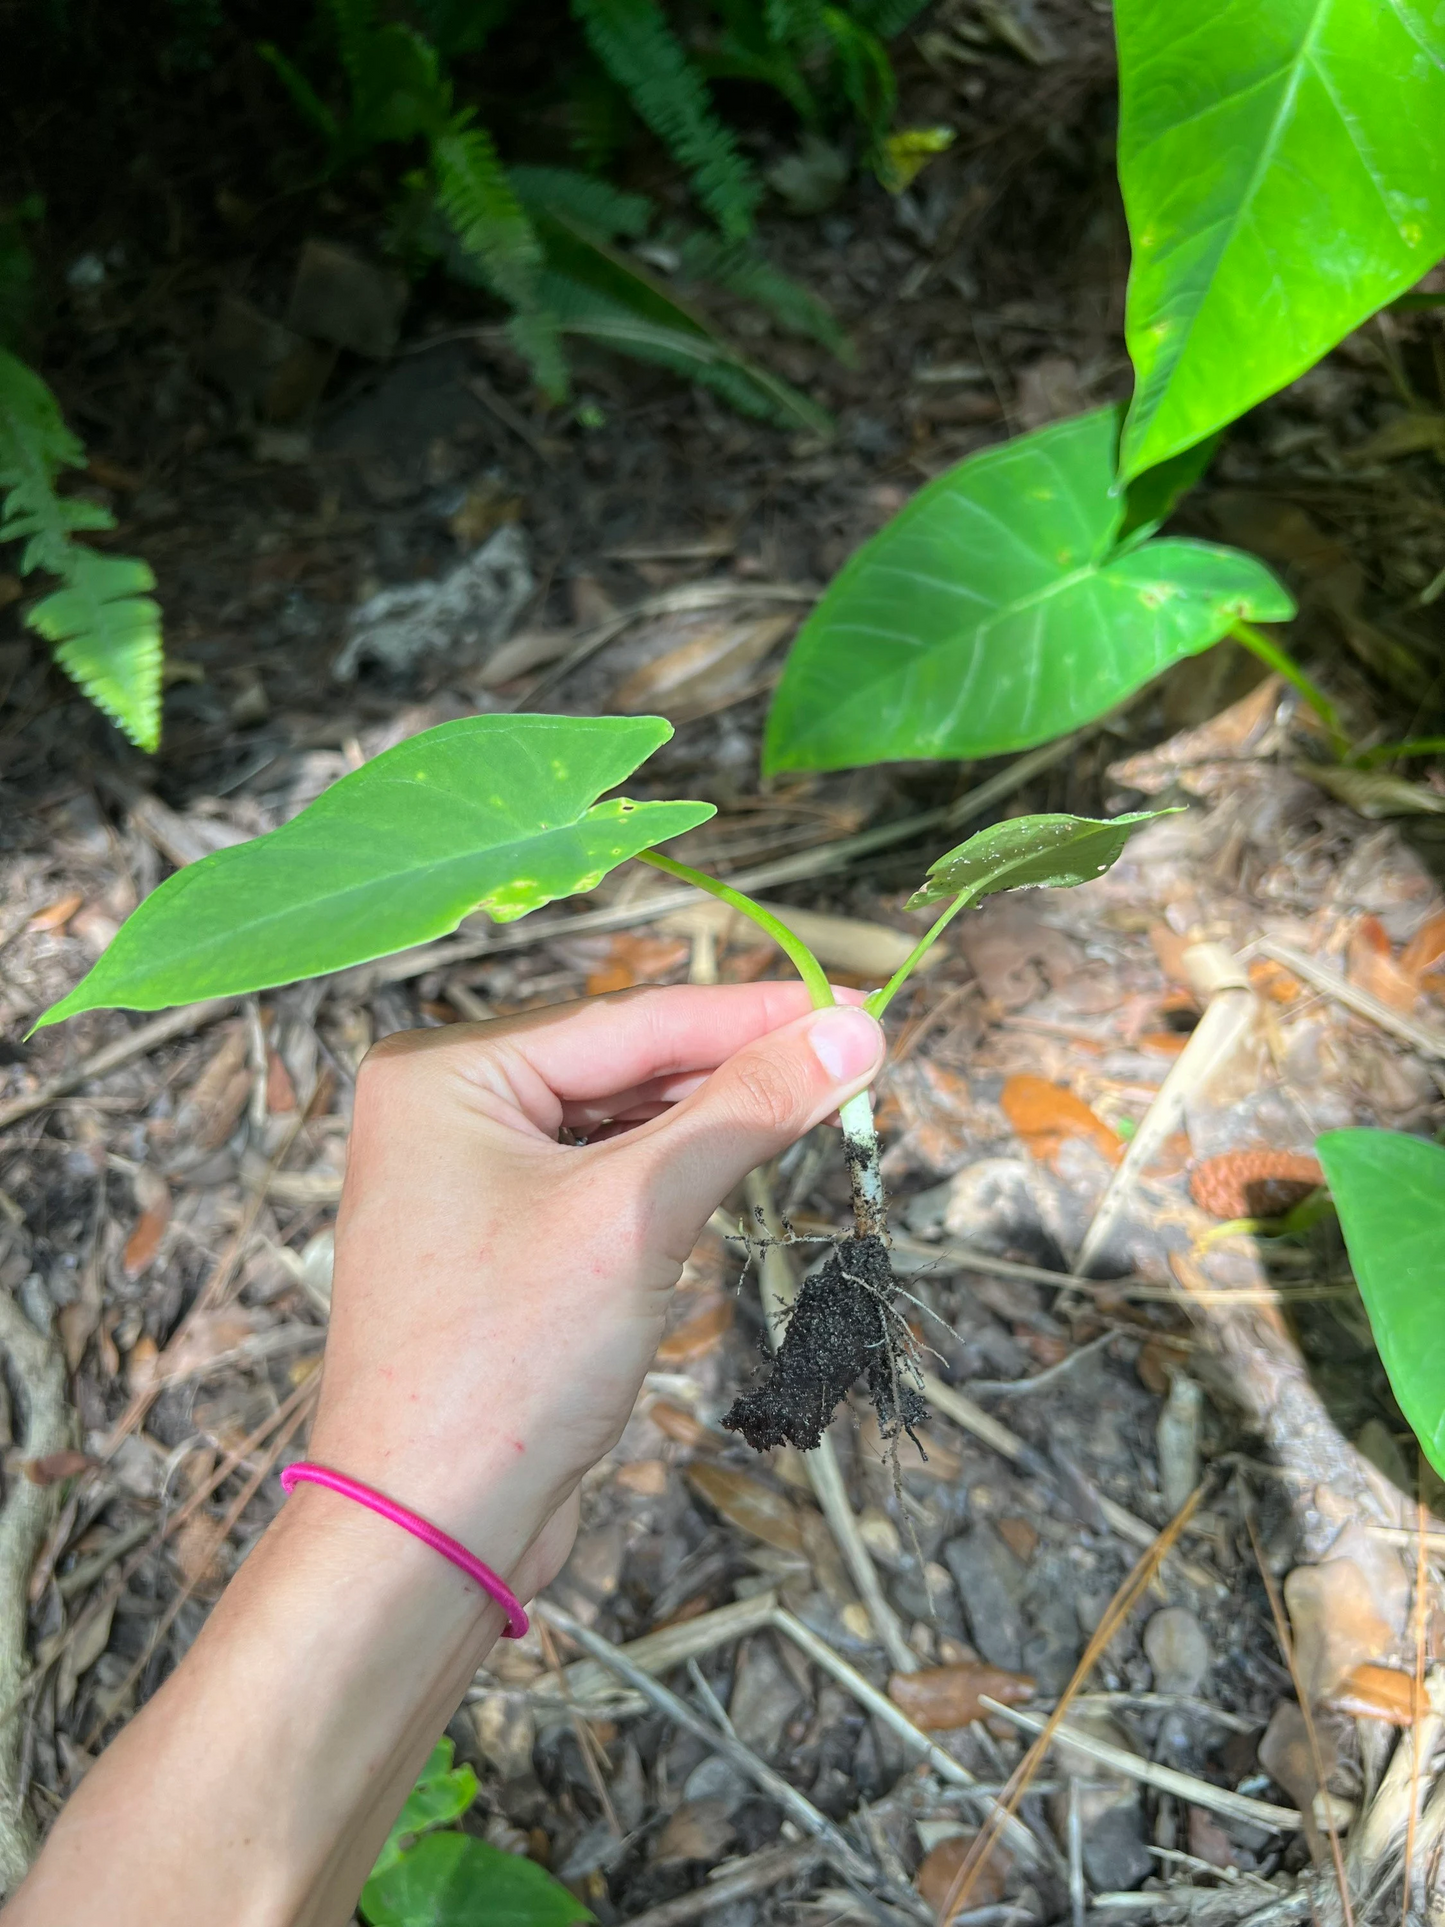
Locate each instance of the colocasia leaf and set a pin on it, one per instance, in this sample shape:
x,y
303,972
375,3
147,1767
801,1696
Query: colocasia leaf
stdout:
x,y
1389,1189
1030,852
494,813
1010,601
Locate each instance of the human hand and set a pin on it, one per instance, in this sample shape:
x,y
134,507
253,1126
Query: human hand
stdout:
x,y
498,1295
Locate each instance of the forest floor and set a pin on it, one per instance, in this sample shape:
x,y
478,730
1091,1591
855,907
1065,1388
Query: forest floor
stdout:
x,y
167,1188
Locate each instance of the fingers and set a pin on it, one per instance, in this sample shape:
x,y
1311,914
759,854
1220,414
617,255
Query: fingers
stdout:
x,y
765,1097
581,1062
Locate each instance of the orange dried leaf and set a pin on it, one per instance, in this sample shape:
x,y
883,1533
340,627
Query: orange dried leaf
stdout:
x,y
1045,1115
697,1336
143,1245
1273,981
1425,951
1371,965
55,915
935,1878
280,1091
1254,1184
682,1427
1376,1693
1165,1043
940,1698
1020,1538
56,1466
749,1505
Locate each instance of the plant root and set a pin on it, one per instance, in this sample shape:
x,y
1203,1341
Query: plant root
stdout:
x,y
843,1327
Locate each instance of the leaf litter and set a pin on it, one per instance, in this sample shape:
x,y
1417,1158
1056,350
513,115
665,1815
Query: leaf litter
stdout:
x,y
1060,990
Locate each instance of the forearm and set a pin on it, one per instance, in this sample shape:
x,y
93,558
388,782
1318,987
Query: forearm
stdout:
x,y
257,1786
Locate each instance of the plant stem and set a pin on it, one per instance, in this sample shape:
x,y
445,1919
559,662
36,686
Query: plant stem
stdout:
x,y
802,958
865,1171
1284,664
881,999
1396,752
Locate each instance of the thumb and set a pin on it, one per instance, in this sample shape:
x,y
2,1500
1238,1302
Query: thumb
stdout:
x,y
760,1101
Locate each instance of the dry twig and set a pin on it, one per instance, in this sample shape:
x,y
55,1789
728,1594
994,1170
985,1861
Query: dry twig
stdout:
x,y
137,1043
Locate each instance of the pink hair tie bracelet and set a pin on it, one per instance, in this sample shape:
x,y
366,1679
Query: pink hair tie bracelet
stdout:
x,y
419,1528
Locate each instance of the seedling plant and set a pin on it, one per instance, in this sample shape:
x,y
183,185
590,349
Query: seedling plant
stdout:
x,y
502,814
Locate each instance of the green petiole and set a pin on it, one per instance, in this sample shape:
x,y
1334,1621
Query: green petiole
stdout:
x,y
1283,663
881,999
801,957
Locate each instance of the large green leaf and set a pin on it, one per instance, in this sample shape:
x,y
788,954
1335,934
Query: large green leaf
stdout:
x,y
1389,1190
443,1793
452,1880
1281,162
1030,853
999,609
494,813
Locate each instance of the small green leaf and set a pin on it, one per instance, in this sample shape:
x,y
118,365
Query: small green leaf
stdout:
x,y
1389,1189
1031,853
452,1880
998,609
1280,162
443,1793
494,813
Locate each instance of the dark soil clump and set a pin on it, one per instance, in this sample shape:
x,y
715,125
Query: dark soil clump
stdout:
x,y
841,1329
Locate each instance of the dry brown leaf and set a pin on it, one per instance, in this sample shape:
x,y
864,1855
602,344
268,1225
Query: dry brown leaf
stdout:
x,y
199,1559
697,1336
55,916
1418,432
940,1698
704,667
1207,758
1254,1184
750,1505
1376,1693
1045,1115
143,1245
140,1364
1019,1536
204,1337
1371,965
1425,951
280,1091
1272,980
698,1830
1159,1359
56,1466
636,959
683,1427
940,1869
646,1477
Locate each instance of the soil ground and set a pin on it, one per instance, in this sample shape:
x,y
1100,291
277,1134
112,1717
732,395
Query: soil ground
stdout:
x,y
169,1221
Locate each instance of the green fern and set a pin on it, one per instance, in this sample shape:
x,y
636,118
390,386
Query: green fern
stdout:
x,y
743,271
104,629
637,47
866,71
607,211
885,18
477,198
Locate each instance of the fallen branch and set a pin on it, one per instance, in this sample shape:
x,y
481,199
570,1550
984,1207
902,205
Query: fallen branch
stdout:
x,y
756,1875
38,1371
1429,1041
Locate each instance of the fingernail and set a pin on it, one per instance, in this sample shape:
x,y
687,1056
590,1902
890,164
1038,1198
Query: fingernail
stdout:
x,y
846,1041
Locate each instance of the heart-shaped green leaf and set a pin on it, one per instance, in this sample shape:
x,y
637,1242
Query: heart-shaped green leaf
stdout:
x,y
1389,1189
997,610
443,1793
494,813
1030,853
1281,168
453,1880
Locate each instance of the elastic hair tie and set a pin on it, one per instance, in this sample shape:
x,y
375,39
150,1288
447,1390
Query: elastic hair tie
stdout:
x,y
419,1528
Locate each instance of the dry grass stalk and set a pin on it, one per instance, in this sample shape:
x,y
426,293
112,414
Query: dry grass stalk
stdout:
x,y
588,1745
1417,1702
1286,1646
1119,1607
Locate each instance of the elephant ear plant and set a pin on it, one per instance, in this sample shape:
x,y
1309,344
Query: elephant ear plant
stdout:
x,y
502,814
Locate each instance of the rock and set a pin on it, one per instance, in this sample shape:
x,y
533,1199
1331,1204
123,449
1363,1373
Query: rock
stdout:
x,y
338,297
764,1697
934,1879
1177,1438
265,368
456,620
1177,1648
1116,1857
1051,1648
990,1583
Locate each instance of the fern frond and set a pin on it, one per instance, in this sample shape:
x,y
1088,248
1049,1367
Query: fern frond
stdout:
x,y
867,72
886,17
582,198
354,22
475,194
740,268
304,97
689,350
536,338
794,23
637,47
104,631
